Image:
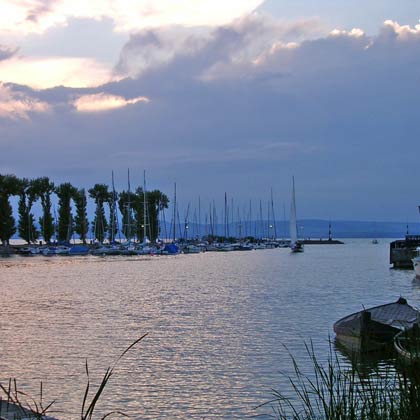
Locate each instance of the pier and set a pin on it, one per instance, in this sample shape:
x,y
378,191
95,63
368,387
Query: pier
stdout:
x,y
402,251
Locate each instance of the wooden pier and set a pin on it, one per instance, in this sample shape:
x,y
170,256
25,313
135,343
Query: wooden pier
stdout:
x,y
402,251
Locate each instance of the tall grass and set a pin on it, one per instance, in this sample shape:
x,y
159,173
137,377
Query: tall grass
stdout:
x,y
22,406
335,391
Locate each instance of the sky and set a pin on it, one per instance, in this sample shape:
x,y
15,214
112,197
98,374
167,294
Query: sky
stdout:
x,y
219,96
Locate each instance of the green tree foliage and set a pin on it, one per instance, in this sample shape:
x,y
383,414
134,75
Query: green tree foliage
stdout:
x,y
126,202
44,188
9,185
101,195
138,213
65,193
81,223
113,219
156,202
28,194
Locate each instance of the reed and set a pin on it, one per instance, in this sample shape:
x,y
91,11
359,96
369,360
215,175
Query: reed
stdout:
x,y
335,391
21,406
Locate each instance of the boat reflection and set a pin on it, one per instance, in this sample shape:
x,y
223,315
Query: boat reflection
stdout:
x,y
368,363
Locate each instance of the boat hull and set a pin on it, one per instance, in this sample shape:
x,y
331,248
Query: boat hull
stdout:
x,y
407,345
374,328
416,266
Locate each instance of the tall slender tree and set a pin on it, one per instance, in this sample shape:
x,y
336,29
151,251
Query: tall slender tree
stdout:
x,y
81,223
156,202
126,202
113,217
44,188
27,196
9,186
65,193
138,206
100,195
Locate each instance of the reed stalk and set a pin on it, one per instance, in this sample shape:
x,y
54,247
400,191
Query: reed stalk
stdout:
x,y
337,391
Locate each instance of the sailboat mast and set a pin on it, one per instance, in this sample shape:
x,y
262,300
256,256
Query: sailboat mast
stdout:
x,y
250,217
225,216
272,213
113,208
144,208
128,221
293,220
199,218
174,232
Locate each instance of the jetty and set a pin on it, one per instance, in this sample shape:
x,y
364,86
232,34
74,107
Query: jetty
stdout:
x,y
322,241
402,251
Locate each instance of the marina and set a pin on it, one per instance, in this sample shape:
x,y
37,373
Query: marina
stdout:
x,y
208,210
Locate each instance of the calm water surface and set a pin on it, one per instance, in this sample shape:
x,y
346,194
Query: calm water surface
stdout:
x,y
218,324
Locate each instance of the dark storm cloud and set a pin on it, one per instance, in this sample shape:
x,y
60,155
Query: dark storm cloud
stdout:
x,y
243,110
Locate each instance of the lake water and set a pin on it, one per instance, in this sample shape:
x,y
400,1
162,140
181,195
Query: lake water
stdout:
x,y
220,325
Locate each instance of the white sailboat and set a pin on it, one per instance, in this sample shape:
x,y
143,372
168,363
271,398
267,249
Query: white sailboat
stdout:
x,y
295,244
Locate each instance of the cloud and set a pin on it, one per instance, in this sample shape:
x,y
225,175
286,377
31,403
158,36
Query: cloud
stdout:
x,y
43,73
100,102
242,41
257,100
39,15
16,105
402,31
7,52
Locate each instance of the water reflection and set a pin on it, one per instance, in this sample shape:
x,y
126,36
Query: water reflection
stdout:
x,y
368,363
217,324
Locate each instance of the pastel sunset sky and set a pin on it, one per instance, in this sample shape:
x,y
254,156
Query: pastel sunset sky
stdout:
x,y
232,95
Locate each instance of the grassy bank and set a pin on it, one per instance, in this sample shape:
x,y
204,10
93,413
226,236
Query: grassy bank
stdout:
x,y
337,391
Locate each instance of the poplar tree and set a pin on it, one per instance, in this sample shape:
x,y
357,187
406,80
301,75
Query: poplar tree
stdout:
x,y
81,223
100,195
126,202
44,188
113,219
65,193
9,186
27,196
156,202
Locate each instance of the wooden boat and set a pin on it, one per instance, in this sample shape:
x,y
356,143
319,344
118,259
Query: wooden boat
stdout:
x,y
374,328
407,344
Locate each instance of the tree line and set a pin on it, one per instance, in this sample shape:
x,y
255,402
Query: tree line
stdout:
x,y
72,214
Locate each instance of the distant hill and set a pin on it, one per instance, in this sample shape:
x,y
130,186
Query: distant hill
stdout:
x,y
312,228
358,229
308,228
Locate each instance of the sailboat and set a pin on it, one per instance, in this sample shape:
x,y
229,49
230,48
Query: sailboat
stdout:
x,y
295,244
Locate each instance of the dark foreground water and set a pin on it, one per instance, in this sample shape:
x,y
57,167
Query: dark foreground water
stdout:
x,y
218,324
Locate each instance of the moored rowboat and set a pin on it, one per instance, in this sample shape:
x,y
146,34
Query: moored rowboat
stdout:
x,y
372,329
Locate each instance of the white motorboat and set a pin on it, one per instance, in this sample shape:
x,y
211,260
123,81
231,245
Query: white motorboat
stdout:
x,y
416,264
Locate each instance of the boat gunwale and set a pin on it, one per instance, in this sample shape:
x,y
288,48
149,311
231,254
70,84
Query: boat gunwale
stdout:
x,y
402,352
374,307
